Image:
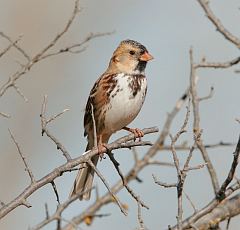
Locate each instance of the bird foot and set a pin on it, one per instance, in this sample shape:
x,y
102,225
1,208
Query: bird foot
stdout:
x,y
138,133
102,147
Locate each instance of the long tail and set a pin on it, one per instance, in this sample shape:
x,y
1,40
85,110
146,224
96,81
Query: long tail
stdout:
x,y
84,179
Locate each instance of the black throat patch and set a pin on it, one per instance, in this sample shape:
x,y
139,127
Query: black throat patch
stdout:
x,y
141,66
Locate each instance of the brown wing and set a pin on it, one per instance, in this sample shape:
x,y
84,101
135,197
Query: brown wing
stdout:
x,y
99,97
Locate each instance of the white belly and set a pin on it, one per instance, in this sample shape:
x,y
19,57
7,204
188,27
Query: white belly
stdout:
x,y
124,107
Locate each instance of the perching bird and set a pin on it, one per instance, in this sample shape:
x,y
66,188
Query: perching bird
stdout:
x,y
116,98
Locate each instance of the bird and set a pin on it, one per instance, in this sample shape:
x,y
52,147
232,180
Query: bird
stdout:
x,y
114,101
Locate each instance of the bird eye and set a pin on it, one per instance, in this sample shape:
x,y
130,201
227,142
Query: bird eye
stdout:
x,y
132,52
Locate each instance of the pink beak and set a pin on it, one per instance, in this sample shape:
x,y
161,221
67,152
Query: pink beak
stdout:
x,y
146,56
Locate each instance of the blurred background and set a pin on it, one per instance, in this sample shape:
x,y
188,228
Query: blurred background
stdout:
x,y
168,29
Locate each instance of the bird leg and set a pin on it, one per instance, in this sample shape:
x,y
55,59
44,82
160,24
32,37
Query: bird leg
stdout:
x,y
101,147
138,133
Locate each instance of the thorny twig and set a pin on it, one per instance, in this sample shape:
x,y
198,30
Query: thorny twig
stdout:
x,y
27,167
196,125
57,215
181,174
41,55
107,186
16,46
130,191
9,46
57,172
55,191
221,193
229,36
45,122
140,219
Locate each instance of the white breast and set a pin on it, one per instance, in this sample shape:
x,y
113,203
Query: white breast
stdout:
x,y
124,106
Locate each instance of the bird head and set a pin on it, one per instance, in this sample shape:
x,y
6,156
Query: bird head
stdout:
x,y
130,57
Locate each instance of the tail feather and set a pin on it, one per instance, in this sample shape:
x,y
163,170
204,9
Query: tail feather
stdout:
x,y
84,179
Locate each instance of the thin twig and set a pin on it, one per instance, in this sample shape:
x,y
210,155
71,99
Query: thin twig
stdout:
x,y
41,55
56,116
77,48
218,65
58,213
180,173
140,219
76,10
190,201
55,191
15,45
207,209
210,95
20,92
163,184
5,115
130,191
221,193
216,21
46,211
45,122
108,187
27,168
196,125
10,46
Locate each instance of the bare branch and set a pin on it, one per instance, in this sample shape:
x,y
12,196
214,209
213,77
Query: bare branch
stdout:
x,y
189,222
108,187
140,219
190,201
45,121
165,185
46,211
57,172
76,48
210,95
5,115
55,191
56,116
2,203
130,191
200,166
15,45
9,46
230,208
42,54
27,168
180,173
217,65
58,213
19,92
221,193
184,146
76,10
229,36
196,125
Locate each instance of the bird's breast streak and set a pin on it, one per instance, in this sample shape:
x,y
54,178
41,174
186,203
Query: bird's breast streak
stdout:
x,y
124,107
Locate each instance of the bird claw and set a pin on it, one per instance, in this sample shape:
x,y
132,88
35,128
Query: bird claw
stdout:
x,y
138,133
101,149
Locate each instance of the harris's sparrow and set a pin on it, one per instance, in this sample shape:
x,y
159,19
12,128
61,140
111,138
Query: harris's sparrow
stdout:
x,y
116,99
